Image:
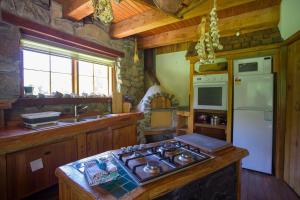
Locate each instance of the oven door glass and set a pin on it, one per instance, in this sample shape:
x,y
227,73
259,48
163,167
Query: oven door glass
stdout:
x,y
210,96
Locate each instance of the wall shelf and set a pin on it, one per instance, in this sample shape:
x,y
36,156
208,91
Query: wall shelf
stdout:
x,y
31,102
182,123
183,113
206,125
210,72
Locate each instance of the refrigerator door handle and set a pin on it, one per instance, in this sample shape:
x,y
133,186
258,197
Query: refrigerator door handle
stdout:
x,y
268,115
268,109
297,107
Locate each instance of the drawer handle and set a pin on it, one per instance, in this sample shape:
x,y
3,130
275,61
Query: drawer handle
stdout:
x,y
47,153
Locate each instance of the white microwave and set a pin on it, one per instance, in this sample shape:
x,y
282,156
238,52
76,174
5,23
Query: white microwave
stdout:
x,y
253,66
210,92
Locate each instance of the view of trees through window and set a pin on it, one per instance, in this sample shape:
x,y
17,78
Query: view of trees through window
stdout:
x,y
94,78
48,73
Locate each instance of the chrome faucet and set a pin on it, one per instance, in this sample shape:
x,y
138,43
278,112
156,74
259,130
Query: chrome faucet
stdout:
x,y
77,110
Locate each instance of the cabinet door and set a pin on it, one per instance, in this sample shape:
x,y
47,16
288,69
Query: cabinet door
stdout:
x,y
32,170
292,135
60,154
99,141
125,136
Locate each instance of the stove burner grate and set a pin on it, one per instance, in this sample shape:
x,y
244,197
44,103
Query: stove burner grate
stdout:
x,y
152,167
185,157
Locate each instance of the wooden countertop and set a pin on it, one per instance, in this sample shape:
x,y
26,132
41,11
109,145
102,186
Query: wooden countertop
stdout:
x,y
15,138
75,180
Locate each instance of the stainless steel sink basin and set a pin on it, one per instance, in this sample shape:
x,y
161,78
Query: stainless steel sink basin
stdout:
x,y
72,120
84,119
97,117
92,117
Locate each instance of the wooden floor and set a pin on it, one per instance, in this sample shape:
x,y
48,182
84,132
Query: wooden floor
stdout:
x,y
255,186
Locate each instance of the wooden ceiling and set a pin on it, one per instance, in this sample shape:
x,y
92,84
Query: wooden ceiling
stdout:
x,y
155,28
126,9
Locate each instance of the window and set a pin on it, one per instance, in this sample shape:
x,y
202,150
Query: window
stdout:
x,y
48,73
94,78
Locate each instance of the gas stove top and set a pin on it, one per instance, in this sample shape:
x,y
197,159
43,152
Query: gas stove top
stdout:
x,y
146,163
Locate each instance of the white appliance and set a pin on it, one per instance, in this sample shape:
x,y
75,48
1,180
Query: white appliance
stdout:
x,y
253,115
251,66
210,91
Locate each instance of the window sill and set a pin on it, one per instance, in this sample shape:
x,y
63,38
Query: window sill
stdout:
x,y
32,102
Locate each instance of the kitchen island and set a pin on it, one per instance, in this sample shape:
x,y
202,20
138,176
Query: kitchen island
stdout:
x,y
217,178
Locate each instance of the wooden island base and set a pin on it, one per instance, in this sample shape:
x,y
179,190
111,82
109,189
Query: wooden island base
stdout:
x,y
218,178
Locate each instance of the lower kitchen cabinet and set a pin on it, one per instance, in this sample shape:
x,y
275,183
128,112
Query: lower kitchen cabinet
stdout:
x,y
99,141
125,136
32,170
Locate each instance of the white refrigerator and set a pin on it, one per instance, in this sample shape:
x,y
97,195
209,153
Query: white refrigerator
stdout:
x,y
253,120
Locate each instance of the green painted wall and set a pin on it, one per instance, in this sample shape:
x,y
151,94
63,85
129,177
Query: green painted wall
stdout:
x,y
172,70
289,18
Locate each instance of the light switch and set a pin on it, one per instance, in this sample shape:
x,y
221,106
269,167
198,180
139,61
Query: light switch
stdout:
x,y
36,164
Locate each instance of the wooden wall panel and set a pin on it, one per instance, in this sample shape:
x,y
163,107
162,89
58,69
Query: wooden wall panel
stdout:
x,y
292,138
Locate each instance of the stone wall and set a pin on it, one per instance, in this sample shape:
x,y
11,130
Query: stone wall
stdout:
x,y
9,61
254,39
49,13
247,40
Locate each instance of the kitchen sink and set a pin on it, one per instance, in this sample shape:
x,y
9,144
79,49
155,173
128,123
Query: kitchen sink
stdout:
x,y
92,117
98,117
72,120
84,119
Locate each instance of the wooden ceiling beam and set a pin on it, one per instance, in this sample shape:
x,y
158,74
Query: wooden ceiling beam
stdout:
x,y
246,22
77,9
148,3
154,19
152,5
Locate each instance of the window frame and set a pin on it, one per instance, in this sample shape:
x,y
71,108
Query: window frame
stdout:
x,y
74,75
109,78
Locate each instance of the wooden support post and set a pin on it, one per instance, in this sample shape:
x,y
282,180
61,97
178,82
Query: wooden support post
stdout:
x,y
3,187
280,66
229,101
2,121
238,181
191,100
117,100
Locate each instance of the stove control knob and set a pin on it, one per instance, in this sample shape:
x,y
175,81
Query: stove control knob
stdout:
x,y
129,149
162,143
141,146
135,147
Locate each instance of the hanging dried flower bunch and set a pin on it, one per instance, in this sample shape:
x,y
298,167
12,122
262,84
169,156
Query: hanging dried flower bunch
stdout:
x,y
136,58
208,41
103,11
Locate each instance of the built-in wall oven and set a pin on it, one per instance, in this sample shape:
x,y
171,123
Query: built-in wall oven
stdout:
x,y
210,91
